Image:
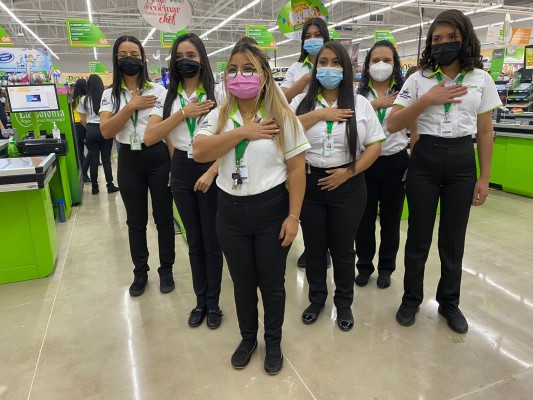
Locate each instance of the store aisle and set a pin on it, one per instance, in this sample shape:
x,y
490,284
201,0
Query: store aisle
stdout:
x,y
79,335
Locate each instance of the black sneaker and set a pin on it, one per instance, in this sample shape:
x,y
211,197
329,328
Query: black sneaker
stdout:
x,y
95,189
111,188
383,281
166,282
243,354
362,278
86,179
456,320
214,318
273,359
406,315
137,287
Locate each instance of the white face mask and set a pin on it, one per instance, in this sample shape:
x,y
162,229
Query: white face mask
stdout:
x,y
381,71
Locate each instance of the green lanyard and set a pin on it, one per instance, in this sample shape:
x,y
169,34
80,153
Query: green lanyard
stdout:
x,y
329,124
191,122
381,112
240,148
133,119
447,106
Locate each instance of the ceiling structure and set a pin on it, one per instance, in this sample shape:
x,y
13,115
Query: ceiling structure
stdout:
x,y
118,17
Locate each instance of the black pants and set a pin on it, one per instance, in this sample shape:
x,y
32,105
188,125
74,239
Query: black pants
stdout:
x,y
385,189
248,229
198,212
138,172
329,221
81,133
445,169
97,146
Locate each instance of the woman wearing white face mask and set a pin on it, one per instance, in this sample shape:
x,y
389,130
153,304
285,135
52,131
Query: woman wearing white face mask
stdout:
x,y
381,81
335,194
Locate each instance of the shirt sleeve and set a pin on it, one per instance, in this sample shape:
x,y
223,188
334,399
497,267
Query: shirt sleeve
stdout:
x,y
296,101
106,105
289,80
81,108
220,94
373,130
490,98
210,124
407,95
295,142
159,105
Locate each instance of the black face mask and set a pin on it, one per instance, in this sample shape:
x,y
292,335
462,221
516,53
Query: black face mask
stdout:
x,y
130,65
446,53
187,68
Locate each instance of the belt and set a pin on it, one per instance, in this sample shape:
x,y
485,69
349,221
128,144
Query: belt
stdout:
x,y
255,198
439,141
309,168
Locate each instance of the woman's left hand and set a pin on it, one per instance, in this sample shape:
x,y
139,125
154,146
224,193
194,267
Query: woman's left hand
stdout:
x,y
288,232
481,192
204,183
336,178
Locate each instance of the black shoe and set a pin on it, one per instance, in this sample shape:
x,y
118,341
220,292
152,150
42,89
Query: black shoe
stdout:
x,y
242,355
456,320
406,315
273,359
111,188
166,282
214,318
137,287
311,313
95,189
345,319
383,281
362,279
301,261
86,179
196,317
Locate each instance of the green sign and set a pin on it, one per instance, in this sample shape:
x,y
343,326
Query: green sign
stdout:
x,y
82,33
6,40
168,38
295,13
384,34
264,38
221,66
496,64
333,34
96,67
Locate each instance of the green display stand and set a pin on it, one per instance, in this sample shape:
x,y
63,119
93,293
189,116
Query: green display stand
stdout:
x,y
518,172
29,250
499,157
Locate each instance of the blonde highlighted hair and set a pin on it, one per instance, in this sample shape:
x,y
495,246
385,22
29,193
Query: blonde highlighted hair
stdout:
x,y
276,106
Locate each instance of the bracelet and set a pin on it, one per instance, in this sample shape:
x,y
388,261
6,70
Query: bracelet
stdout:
x,y
292,216
183,112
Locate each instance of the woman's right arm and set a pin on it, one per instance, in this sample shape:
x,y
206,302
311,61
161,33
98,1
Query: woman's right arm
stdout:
x,y
83,119
111,124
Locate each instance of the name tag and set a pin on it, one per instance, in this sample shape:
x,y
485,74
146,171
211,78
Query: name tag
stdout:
x,y
135,142
189,150
243,171
328,145
446,129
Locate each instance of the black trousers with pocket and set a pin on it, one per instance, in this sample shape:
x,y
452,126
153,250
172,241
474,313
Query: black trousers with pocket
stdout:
x,y
445,169
99,146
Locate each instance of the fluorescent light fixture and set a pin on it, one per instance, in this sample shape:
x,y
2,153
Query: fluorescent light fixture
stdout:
x,y
283,41
7,10
379,11
523,19
148,36
221,50
363,38
89,11
332,3
232,16
290,55
272,29
95,53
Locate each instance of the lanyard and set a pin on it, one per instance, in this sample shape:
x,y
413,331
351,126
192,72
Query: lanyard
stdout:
x,y
447,106
381,112
329,124
133,120
191,122
240,148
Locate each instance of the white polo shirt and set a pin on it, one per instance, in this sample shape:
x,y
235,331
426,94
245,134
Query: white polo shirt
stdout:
x,y
180,135
92,118
106,105
267,166
482,97
295,72
368,131
395,142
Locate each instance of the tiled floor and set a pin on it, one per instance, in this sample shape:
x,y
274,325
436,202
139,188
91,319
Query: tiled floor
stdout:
x,y
78,335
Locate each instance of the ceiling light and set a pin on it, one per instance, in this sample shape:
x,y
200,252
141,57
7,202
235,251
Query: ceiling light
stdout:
x,y
95,53
221,50
7,10
287,56
346,21
89,11
228,19
148,36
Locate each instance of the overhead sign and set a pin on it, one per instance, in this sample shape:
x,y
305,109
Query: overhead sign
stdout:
x,y
496,64
295,13
166,15
262,36
5,39
333,34
168,38
96,67
221,66
384,34
25,60
82,33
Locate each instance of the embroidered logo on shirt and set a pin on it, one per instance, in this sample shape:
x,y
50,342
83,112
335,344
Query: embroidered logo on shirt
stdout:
x,y
206,124
159,104
405,94
104,102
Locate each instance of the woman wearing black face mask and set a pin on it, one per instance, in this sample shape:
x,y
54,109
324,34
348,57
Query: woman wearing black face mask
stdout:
x,y
444,104
178,115
124,113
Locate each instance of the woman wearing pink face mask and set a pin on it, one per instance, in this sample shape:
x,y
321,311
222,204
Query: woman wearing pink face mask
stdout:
x,y
257,217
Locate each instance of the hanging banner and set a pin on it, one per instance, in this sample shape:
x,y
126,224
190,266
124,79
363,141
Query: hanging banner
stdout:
x,y
384,34
333,34
96,67
295,13
496,64
166,15
82,33
520,36
6,40
25,60
167,39
528,60
262,36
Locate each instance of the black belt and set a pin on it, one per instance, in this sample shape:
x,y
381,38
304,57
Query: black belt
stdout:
x,y
309,168
255,198
439,141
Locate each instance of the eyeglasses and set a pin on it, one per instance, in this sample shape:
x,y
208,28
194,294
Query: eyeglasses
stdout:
x,y
124,54
246,71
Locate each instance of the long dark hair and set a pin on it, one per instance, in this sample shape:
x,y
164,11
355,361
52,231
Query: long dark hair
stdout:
x,y
117,74
346,95
95,88
80,90
470,56
206,74
396,70
322,27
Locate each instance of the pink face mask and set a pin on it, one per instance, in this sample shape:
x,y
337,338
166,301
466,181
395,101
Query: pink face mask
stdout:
x,y
244,88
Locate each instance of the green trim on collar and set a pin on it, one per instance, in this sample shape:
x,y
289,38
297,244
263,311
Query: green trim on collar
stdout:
x,y
307,61
391,84
236,108
199,90
146,85
439,71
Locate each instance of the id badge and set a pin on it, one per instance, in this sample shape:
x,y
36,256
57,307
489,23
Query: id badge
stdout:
x,y
328,146
189,150
243,171
446,128
135,142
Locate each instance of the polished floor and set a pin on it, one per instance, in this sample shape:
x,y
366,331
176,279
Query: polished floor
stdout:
x,y
77,334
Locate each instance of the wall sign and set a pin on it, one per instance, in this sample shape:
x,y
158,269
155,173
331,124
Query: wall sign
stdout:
x,y
166,15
